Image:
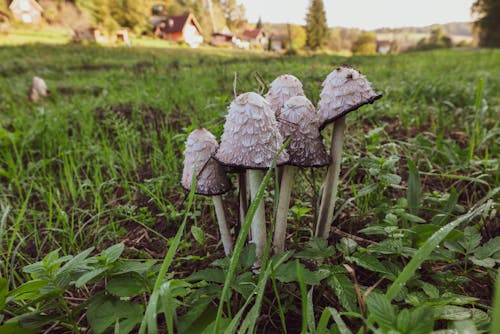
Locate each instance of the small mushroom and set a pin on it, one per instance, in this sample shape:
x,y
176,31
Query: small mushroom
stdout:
x,y
299,121
281,89
211,179
344,90
38,89
250,141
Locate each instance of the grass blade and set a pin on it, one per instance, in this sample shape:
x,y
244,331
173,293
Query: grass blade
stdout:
x,y
149,319
240,242
423,253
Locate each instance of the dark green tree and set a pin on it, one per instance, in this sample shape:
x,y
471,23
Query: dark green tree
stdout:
x,y
316,26
259,23
488,22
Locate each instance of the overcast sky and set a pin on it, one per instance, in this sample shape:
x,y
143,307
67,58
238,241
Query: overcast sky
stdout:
x,y
366,14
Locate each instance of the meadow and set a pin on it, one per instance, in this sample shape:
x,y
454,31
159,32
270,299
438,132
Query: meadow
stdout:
x,y
97,235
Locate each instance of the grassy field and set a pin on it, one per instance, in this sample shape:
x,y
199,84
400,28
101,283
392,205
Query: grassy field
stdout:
x,y
99,164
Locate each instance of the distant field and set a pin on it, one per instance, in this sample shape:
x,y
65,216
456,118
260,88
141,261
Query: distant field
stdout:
x,y
100,161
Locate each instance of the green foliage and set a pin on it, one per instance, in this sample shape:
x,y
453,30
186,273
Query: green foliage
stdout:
x,y
366,44
488,22
316,25
297,37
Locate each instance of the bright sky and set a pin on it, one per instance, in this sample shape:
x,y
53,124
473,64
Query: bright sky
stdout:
x,y
365,14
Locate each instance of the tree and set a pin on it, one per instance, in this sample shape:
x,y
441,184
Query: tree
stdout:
x,y
233,12
259,23
296,37
488,22
365,44
316,26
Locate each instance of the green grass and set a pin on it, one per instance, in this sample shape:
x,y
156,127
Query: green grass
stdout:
x,y
100,162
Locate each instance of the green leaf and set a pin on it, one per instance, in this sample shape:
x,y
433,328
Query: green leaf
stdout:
x,y
471,239
209,275
198,317
452,312
414,191
381,310
247,257
14,327
87,277
391,179
423,253
369,262
343,329
105,311
126,285
425,231
4,288
287,272
344,290
28,290
198,235
488,249
112,253
421,321
316,249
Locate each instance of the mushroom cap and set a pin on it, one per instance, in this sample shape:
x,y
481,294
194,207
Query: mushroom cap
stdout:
x,y
38,89
40,86
210,176
251,138
281,89
300,121
344,90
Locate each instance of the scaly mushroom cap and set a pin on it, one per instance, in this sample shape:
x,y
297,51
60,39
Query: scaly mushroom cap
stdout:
x,y
210,176
251,138
344,90
300,121
281,89
38,89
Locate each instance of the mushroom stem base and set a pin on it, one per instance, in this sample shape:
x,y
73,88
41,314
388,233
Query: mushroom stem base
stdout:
x,y
258,227
329,197
283,206
225,235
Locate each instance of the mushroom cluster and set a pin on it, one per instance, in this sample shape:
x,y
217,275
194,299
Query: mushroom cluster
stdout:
x,y
255,131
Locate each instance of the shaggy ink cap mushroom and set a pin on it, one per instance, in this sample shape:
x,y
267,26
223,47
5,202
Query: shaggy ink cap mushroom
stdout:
x,y
300,121
210,176
251,138
281,89
38,89
344,90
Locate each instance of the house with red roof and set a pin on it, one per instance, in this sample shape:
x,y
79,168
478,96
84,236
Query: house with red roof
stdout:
x,y
256,37
179,28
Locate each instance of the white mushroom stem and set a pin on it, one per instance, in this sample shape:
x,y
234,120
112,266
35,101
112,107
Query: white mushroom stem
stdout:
x,y
283,205
258,227
330,187
225,235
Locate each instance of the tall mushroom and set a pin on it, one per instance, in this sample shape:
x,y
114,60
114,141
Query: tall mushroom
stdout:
x,y
299,121
38,89
211,179
251,141
281,89
344,90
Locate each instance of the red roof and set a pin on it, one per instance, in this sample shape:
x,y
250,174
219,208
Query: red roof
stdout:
x,y
174,24
252,33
